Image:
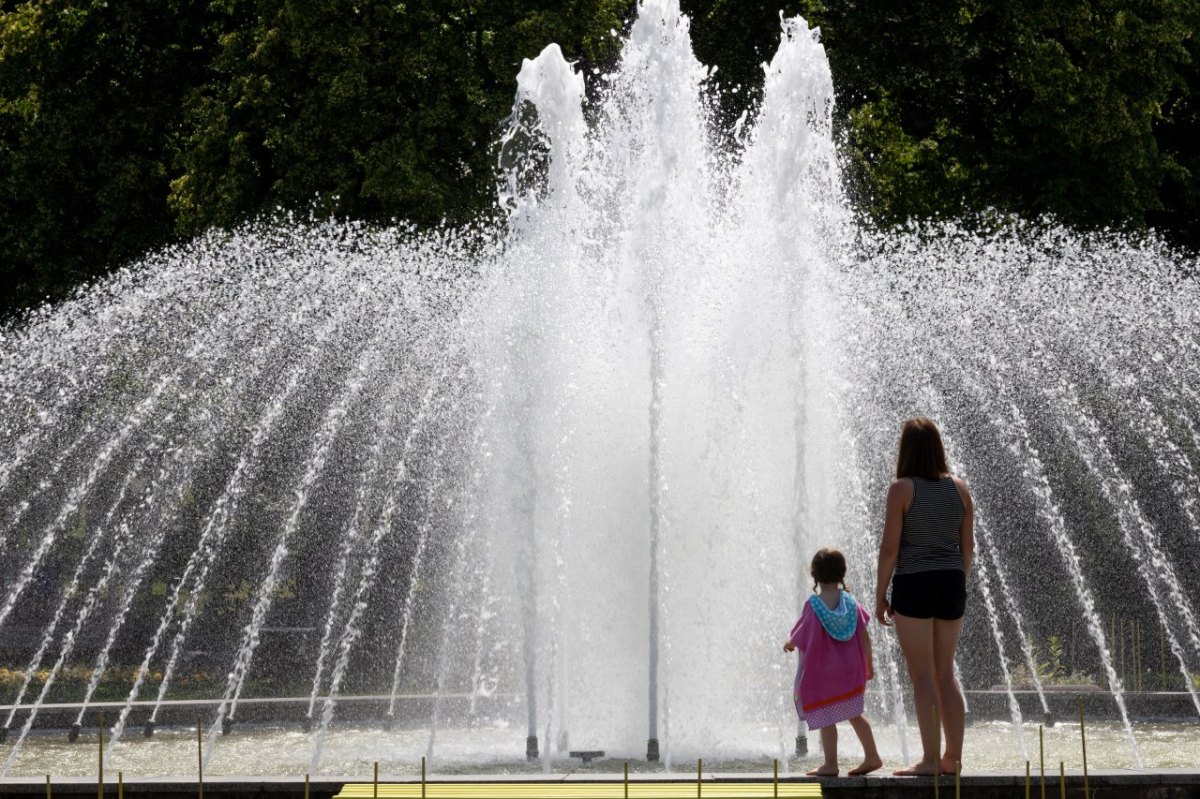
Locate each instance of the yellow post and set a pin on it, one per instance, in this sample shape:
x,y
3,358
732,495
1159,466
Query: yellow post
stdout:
x,y
422,777
1062,780
1042,758
1026,779
775,784
1162,657
100,779
375,780
306,785
1137,650
1083,742
200,758
957,779
626,779
49,795
699,775
120,785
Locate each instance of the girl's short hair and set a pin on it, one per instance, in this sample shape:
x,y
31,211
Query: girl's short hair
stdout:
x,y
828,566
921,452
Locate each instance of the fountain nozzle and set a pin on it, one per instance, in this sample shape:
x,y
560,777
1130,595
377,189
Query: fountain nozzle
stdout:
x,y
148,730
801,746
652,750
73,733
531,748
389,722
226,726
1049,719
307,723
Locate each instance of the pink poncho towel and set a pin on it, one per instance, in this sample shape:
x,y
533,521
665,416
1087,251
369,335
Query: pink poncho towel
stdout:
x,y
832,675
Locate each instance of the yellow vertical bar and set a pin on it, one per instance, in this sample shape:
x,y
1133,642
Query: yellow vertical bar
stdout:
x,y
1140,665
699,774
422,777
1026,779
957,780
1083,742
49,794
200,758
775,784
306,785
120,785
1162,657
100,779
1062,780
1125,677
1042,758
375,780
626,779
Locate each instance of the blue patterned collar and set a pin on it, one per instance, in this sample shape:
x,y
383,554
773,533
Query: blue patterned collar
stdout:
x,y
842,622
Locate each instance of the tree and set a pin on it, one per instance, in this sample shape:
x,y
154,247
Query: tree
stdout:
x,y
90,99
373,110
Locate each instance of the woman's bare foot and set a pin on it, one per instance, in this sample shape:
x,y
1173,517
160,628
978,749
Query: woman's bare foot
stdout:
x,y
825,770
949,765
921,769
866,767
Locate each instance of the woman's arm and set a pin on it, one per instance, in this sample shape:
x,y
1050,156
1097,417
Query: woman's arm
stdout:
x,y
966,541
898,498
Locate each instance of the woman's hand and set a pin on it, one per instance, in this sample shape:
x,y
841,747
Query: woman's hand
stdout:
x,y
788,646
883,612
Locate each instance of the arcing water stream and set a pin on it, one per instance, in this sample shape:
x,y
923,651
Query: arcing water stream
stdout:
x,y
554,481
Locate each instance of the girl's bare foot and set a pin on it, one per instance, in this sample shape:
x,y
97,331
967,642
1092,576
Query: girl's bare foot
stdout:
x,y
921,769
866,767
825,770
949,764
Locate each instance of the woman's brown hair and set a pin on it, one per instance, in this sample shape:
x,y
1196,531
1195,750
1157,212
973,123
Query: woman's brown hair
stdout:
x,y
921,451
828,566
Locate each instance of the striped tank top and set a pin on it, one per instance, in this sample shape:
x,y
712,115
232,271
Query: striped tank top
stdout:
x,y
930,538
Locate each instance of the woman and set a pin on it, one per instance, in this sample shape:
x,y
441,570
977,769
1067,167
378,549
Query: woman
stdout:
x,y
928,542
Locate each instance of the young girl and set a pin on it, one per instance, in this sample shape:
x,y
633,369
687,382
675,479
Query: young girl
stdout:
x,y
835,663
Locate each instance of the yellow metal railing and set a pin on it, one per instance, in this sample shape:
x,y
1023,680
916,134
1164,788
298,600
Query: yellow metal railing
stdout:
x,y
637,789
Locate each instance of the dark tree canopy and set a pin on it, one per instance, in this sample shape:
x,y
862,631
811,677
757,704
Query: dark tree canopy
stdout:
x,y
126,124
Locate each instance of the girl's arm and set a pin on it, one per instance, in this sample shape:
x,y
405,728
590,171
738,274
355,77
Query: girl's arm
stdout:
x,y
794,638
868,655
966,541
898,497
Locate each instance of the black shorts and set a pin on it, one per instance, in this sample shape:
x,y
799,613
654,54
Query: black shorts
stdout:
x,y
938,594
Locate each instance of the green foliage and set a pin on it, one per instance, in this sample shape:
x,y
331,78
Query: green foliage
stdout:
x,y
1080,110
1050,663
372,109
125,124
90,99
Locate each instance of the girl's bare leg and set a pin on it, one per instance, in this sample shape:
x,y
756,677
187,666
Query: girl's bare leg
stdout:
x,y
829,745
916,643
950,698
871,758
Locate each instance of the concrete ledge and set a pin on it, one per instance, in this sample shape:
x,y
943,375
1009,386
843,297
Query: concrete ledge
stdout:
x,y
1148,784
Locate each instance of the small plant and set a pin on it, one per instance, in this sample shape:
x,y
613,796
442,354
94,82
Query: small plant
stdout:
x,y
1051,667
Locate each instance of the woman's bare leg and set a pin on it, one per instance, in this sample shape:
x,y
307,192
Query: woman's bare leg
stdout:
x,y
916,643
950,698
829,746
871,758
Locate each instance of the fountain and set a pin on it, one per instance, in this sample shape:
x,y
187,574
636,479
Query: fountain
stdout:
x,y
548,485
